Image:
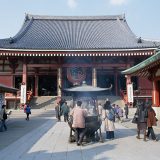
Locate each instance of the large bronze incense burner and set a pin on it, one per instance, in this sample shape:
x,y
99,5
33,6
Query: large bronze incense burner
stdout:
x,y
88,95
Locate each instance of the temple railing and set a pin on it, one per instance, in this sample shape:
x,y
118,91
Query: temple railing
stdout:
x,y
143,94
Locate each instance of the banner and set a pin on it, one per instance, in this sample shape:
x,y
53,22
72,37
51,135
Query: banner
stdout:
x,y
23,94
130,92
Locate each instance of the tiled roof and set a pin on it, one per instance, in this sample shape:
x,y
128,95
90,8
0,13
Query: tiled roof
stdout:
x,y
4,88
75,33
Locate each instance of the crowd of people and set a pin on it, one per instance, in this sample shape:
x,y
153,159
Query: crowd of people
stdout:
x,y
145,118
109,114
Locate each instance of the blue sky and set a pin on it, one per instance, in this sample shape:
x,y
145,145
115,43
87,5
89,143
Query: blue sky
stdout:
x,y
141,15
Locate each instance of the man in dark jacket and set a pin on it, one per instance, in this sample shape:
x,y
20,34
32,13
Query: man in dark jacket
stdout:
x,y
3,117
142,115
126,110
65,111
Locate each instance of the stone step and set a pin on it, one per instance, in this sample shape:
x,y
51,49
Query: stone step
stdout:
x,y
49,102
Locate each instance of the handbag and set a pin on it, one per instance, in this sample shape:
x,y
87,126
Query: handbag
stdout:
x,y
135,120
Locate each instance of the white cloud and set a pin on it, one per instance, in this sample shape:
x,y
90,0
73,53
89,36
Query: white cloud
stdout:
x,y
118,2
72,3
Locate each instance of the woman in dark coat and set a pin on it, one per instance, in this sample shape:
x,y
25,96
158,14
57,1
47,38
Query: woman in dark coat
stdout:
x,y
142,115
151,121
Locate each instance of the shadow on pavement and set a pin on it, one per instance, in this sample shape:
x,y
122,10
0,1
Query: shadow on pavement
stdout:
x,y
78,153
19,127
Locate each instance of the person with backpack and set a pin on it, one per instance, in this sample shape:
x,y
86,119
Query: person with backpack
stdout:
x,y
3,117
109,118
27,110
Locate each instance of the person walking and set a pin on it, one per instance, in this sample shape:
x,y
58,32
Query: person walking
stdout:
x,y
65,111
151,121
141,114
126,110
120,113
109,126
100,109
57,109
3,117
27,110
79,115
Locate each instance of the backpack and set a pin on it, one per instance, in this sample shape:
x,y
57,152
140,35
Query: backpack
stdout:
x,y
28,110
111,115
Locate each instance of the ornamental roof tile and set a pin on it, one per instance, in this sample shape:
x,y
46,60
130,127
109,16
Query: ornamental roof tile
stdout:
x,y
75,33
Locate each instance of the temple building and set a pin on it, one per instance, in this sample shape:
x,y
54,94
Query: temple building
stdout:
x,y
53,51
149,69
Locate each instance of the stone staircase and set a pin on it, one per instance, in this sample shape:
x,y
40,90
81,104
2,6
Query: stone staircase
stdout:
x,y
49,102
43,102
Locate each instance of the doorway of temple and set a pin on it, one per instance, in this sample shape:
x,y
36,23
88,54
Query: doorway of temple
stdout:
x,y
47,85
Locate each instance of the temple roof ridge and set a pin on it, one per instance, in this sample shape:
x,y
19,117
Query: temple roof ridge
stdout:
x,y
100,17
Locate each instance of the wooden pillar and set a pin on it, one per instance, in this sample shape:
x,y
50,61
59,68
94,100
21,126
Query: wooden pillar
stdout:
x,y
24,85
24,76
59,81
94,77
128,81
116,81
36,85
155,94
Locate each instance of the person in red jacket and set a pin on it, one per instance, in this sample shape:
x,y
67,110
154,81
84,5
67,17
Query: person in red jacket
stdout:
x,y
151,121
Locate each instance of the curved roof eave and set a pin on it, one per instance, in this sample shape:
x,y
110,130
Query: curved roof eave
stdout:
x,y
78,50
4,88
139,67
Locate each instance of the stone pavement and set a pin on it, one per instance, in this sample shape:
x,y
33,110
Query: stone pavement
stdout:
x,y
49,141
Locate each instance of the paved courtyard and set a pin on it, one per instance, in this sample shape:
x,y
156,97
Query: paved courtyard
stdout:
x,y
43,138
